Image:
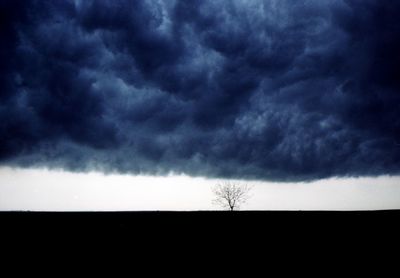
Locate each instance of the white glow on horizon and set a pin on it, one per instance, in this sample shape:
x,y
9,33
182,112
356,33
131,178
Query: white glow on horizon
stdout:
x,y
44,190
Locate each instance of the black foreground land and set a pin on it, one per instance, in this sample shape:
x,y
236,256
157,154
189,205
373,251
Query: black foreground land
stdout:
x,y
164,222
283,235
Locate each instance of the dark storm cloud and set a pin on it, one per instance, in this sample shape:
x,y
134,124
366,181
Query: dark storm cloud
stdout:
x,y
279,90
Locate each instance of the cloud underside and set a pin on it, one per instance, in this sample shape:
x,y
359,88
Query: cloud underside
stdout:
x,y
272,90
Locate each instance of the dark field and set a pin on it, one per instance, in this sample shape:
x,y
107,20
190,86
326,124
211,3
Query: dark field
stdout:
x,y
269,222
282,235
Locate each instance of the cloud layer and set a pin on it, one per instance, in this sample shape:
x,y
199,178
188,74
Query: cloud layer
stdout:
x,y
273,90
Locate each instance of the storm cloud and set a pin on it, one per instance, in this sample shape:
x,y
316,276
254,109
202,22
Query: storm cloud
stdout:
x,y
273,90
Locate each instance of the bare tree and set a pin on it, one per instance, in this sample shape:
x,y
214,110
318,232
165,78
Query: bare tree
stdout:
x,y
231,195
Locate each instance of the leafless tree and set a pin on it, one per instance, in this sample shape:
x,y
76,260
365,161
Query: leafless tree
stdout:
x,y
231,195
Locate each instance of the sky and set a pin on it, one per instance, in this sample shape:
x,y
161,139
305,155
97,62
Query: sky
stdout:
x,y
50,190
277,92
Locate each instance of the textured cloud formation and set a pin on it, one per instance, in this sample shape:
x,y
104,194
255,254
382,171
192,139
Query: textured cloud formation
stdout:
x,y
278,90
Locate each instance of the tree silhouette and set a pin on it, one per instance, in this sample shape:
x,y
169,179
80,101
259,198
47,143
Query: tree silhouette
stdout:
x,y
231,195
